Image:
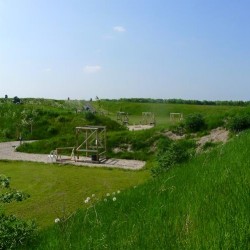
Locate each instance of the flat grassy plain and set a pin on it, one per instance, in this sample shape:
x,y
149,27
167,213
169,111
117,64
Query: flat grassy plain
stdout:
x,y
57,191
213,113
202,204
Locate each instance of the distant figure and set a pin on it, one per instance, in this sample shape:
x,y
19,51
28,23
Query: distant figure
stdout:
x,y
20,139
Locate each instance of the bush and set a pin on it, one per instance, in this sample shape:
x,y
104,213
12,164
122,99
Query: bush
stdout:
x,y
195,122
89,116
163,144
52,130
177,152
15,232
7,133
239,122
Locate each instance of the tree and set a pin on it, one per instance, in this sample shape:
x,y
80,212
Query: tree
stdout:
x,y
16,100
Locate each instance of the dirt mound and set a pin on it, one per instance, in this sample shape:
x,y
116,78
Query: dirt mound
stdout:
x,y
216,135
174,136
139,127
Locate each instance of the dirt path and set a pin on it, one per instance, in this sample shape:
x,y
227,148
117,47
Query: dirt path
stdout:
x,y
7,152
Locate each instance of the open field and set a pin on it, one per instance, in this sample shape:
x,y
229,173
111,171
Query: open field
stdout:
x,y
162,110
56,190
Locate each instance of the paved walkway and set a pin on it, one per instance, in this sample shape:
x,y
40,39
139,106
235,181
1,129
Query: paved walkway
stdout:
x,y
7,152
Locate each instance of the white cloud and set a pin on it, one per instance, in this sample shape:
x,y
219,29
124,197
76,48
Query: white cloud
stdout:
x,y
119,29
92,68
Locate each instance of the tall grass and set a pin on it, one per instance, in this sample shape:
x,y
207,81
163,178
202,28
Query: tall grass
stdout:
x,y
203,204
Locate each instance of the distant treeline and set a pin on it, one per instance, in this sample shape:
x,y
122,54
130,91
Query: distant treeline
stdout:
x,y
181,101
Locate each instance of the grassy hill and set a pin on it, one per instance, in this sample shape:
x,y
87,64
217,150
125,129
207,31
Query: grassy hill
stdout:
x,y
203,204
198,204
53,123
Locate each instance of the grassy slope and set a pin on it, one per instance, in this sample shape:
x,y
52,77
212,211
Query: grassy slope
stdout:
x,y
203,204
55,188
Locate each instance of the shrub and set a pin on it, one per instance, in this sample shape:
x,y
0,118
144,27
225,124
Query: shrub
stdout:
x,y
52,130
62,119
89,116
15,232
177,152
163,144
195,122
7,133
239,122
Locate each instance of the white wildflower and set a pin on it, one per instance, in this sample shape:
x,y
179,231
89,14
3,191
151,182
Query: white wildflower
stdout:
x,y
108,194
87,200
118,191
57,220
114,199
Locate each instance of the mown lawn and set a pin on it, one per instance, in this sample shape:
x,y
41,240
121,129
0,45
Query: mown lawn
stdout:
x,y
57,191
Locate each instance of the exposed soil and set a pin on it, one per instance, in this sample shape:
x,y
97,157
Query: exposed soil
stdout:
x,y
174,136
139,127
216,135
8,152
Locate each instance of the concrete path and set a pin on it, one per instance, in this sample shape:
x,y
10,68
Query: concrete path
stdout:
x,y
7,152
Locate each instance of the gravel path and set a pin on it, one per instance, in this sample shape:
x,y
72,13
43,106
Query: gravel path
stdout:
x,y
7,152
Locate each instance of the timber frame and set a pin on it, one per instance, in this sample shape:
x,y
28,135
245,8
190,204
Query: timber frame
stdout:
x,y
176,116
122,117
91,141
148,118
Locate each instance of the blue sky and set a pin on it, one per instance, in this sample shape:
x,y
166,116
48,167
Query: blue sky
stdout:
x,y
189,49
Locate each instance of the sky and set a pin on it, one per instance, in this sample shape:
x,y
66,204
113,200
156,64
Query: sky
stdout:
x,y
188,49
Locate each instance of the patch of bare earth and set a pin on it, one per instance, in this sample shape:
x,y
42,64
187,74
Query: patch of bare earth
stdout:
x,y
139,127
174,136
216,135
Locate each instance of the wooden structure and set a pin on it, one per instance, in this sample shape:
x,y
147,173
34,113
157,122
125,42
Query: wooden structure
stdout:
x,y
60,154
176,116
91,141
122,117
148,118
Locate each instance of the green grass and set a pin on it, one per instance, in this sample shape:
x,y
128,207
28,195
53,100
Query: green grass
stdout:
x,y
203,204
53,123
213,114
58,190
